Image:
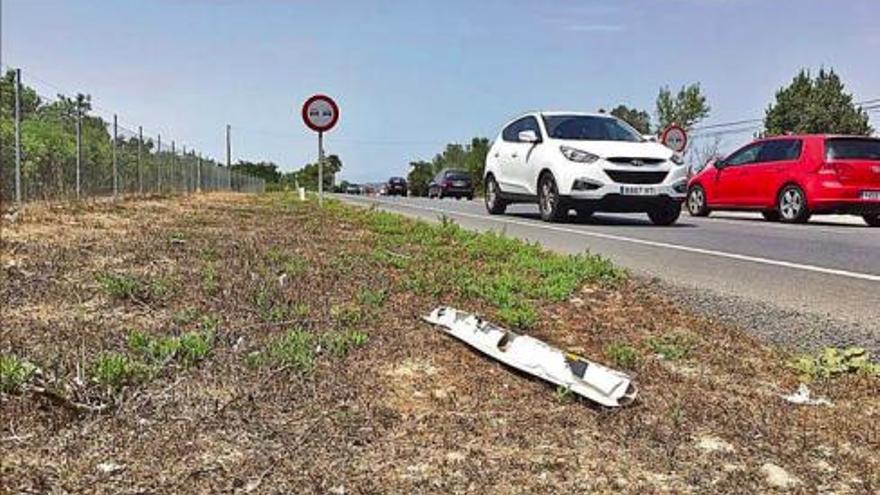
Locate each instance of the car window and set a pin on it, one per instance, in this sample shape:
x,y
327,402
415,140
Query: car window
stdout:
x,y
749,154
457,175
511,132
852,149
780,150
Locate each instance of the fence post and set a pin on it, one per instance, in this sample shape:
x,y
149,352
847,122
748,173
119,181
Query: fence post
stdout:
x,y
159,165
115,160
199,174
18,136
173,165
140,166
78,146
183,175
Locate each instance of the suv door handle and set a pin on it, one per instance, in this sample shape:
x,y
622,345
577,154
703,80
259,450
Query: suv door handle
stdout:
x,y
497,154
513,155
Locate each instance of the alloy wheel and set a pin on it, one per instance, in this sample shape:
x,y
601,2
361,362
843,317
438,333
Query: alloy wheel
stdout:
x,y
791,204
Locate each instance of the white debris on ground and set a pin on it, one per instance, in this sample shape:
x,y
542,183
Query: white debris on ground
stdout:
x,y
580,376
714,444
802,397
109,468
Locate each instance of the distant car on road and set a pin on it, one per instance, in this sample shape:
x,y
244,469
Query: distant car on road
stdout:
x,y
396,186
449,183
586,162
354,189
789,178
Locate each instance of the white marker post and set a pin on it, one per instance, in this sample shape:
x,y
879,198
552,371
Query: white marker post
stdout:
x,y
320,114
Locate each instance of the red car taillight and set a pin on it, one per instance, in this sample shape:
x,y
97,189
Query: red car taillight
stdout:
x,y
444,184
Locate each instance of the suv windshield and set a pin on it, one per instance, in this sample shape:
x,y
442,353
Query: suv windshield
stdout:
x,y
852,149
589,128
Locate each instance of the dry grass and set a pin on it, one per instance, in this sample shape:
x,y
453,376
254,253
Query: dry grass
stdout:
x,y
405,411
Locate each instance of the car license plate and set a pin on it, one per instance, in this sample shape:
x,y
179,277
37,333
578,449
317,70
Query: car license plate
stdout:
x,y
458,183
871,195
638,191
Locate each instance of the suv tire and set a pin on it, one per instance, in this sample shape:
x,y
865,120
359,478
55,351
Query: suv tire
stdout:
x,y
494,204
549,202
665,215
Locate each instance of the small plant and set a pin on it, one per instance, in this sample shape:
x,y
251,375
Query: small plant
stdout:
x,y
189,348
339,344
14,373
186,316
121,286
622,355
209,279
832,362
520,316
563,394
346,315
296,349
117,370
373,298
672,346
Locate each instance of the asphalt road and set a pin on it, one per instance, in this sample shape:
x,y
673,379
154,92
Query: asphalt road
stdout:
x,y
818,282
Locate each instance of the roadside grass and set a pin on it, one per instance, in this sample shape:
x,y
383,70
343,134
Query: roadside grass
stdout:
x,y
15,372
116,370
622,355
832,362
121,286
297,349
512,276
673,346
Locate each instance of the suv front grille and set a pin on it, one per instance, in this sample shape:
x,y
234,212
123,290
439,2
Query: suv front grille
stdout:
x,y
630,177
626,160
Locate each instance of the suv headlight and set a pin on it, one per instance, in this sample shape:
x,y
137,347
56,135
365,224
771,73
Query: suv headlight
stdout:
x,y
577,155
677,159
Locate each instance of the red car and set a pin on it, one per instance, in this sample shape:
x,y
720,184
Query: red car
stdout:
x,y
791,177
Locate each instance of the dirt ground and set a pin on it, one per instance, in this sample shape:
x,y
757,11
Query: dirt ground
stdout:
x,y
408,411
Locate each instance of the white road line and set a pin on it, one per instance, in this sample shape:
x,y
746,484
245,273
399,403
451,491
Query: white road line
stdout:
x,y
688,249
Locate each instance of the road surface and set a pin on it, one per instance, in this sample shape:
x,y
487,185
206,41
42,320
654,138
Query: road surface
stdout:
x,y
821,280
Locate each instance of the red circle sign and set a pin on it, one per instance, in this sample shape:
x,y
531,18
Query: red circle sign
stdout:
x,y
320,113
674,138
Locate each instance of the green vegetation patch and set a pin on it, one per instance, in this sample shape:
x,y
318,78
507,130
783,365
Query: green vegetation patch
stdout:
x,y
297,349
128,287
672,346
14,373
622,355
831,362
116,370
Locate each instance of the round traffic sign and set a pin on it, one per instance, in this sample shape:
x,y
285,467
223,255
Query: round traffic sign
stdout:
x,y
674,138
320,113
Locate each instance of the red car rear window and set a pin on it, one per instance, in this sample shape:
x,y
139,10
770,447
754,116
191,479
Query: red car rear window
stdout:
x,y
852,149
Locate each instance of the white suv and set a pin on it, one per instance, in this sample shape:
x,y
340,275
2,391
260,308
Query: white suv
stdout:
x,y
585,162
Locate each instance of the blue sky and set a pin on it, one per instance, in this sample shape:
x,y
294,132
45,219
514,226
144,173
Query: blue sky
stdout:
x,y
413,75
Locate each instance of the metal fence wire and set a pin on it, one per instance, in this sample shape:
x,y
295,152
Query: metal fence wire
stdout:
x,y
57,148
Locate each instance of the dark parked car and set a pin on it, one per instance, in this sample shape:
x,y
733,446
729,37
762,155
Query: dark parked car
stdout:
x,y
451,184
396,186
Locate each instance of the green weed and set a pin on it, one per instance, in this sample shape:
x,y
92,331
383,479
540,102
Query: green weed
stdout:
x,y
832,362
117,370
340,343
14,373
622,355
373,298
672,346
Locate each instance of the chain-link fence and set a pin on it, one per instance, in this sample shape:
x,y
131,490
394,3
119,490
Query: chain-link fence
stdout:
x,y
57,148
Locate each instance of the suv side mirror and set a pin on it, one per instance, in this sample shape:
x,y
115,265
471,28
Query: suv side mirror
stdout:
x,y
528,137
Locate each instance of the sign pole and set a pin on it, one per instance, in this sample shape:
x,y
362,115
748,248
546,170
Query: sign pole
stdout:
x,y
321,168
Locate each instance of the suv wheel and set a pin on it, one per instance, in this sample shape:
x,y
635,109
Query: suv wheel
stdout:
x,y
549,202
696,202
792,205
872,220
494,204
665,215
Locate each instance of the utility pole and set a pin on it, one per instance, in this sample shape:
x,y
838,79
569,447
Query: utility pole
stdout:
x,y
140,157
18,136
115,162
159,166
79,152
229,156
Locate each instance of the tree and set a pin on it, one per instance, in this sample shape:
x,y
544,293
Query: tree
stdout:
x,y
308,175
815,106
267,171
686,108
419,176
639,119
